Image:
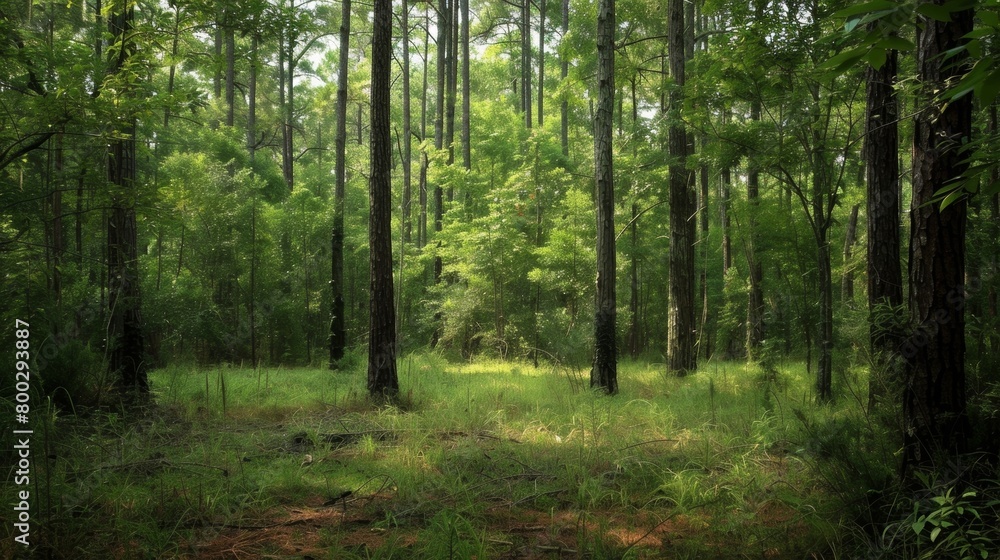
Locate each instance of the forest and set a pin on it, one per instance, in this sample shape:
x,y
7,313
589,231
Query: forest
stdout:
x,y
500,279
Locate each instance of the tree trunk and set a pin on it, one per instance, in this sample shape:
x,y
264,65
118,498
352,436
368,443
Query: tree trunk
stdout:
x,y
541,63
936,425
847,282
564,72
407,140
526,62
466,90
681,355
635,328
885,276
604,374
704,340
338,337
126,359
755,300
382,380
230,36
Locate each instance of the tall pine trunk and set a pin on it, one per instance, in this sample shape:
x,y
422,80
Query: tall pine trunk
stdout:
x,y
885,276
126,359
604,374
382,379
681,357
338,337
934,399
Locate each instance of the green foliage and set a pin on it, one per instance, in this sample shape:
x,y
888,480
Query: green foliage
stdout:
x,y
946,521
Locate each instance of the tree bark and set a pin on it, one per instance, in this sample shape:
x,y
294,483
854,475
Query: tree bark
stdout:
x,y
604,374
466,90
755,298
338,337
407,117
564,72
681,357
885,276
126,352
541,63
526,62
851,237
936,425
383,383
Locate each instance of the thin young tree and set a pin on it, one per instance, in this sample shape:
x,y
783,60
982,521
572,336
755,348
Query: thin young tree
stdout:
x,y
604,374
383,382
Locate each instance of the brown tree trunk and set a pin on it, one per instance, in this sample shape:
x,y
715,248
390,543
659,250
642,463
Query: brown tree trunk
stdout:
x,y
682,328
407,117
885,276
382,380
755,298
466,89
851,237
526,62
541,63
338,337
564,72
126,359
604,374
936,425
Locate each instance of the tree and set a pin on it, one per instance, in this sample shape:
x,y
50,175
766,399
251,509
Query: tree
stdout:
x,y
126,344
934,398
604,374
681,355
382,380
338,338
885,277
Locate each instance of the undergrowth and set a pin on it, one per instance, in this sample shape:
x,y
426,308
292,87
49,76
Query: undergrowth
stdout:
x,y
479,460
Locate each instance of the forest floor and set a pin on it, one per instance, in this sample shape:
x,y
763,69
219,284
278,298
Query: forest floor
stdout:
x,y
485,460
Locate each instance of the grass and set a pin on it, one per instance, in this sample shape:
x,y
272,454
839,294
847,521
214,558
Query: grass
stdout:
x,y
481,460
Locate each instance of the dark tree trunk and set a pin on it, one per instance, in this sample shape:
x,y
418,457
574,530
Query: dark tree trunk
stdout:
x,y
526,62
466,89
541,63
682,328
635,328
338,336
407,117
422,181
382,380
604,374
851,237
755,299
564,72
885,276
704,339
230,36
126,359
936,425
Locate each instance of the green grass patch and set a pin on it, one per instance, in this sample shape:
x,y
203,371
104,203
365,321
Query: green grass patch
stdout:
x,y
481,460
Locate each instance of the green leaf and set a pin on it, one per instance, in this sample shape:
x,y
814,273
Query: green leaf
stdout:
x,y
876,58
866,8
918,525
897,43
844,60
948,201
989,18
934,11
934,533
989,88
